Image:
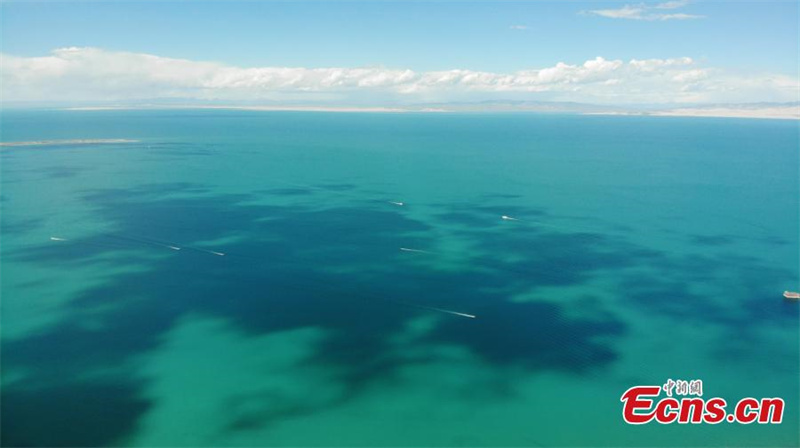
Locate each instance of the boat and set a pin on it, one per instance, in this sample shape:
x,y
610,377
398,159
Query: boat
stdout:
x,y
791,295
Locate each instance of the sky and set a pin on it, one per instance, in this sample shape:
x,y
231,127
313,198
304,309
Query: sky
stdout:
x,y
387,52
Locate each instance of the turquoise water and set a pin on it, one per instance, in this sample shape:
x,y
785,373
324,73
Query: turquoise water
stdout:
x,y
644,248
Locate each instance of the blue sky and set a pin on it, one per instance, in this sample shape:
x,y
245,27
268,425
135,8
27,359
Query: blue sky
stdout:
x,y
742,38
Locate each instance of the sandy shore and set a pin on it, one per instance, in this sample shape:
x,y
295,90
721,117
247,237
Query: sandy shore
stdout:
x,y
98,141
780,113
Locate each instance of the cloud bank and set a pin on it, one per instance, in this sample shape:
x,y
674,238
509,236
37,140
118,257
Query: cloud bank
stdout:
x,y
92,74
643,11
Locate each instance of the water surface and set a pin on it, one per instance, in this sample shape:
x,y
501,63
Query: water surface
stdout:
x,y
644,248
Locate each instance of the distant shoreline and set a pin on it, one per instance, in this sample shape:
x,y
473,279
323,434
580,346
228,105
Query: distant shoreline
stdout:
x,y
772,113
254,108
766,112
98,141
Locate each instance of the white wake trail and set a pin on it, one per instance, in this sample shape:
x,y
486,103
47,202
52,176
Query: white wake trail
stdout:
x,y
419,251
454,313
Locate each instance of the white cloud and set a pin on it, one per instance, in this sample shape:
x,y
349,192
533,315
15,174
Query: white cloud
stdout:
x,y
644,11
626,12
91,74
672,4
519,27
